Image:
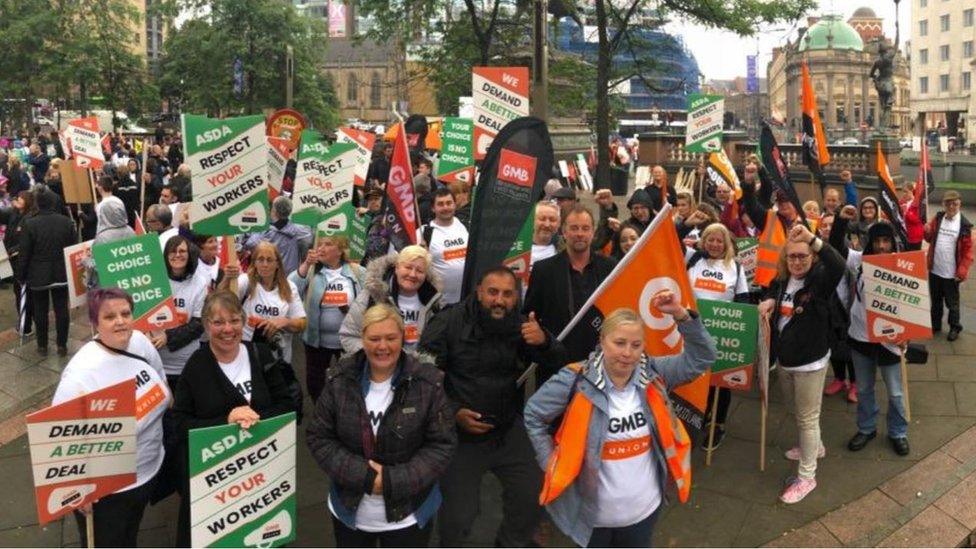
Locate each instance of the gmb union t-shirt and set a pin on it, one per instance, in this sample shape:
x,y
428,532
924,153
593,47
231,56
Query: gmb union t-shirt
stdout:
x,y
93,367
410,308
264,304
338,295
238,372
713,279
629,490
448,247
188,295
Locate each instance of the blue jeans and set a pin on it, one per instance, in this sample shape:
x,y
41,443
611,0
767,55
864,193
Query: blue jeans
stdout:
x,y
867,406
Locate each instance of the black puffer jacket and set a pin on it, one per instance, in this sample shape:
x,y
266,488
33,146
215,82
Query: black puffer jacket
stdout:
x,y
42,244
481,368
414,442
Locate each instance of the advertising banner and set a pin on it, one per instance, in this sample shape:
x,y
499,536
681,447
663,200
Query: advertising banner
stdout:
x,y
704,131
242,484
457,155
501,94
136,266
228,161
896,295
734,328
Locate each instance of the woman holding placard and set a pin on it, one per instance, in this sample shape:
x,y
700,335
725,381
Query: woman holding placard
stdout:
x,y
119,354
335,285
273,307
189,292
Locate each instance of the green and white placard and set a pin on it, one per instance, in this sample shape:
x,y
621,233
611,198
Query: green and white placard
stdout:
x,y
324,179
457,150
136,265
733,327
228,161
242,484
704,131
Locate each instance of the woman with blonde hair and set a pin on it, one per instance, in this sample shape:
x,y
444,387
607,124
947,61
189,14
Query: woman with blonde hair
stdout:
x,y
408,282
271,302
619,442
715,274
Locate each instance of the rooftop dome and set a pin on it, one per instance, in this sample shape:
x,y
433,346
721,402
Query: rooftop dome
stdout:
x,y
864,12
831,33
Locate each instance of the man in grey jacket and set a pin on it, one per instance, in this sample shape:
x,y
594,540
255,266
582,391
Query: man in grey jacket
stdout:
x,y
292,241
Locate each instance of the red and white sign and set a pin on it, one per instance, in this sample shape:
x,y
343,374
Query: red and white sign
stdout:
x,y
279,151
85,142
83,449
896,296
74,257
399,187
500,95
288,124
364,142
516,168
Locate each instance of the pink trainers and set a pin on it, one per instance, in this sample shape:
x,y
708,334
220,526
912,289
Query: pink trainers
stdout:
x,y
852,394
793,453
797,490
835,387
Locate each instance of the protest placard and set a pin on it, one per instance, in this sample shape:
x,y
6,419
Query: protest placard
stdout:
x,y
457,155
287,124
501,94
242,484
896,296
83,449
76,183
279,151
746,254
6,268
74,257
705,115
136,266
364,142
85,142
228,161
324,184
733,328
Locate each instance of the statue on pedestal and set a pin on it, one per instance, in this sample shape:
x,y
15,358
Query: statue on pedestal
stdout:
x,y
882,72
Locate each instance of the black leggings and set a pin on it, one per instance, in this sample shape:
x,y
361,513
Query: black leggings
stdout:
x,y
724,400
43,299
411,536
843,370
117,517
317,361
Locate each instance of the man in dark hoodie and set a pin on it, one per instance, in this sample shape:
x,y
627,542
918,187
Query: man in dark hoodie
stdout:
x,y
641,205
871,358
483,345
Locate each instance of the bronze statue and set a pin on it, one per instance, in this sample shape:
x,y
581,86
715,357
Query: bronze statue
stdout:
x,y
882,72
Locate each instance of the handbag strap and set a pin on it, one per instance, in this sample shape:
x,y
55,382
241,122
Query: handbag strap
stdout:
x,y
123,352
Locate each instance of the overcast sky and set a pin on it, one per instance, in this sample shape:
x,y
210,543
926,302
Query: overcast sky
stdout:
x,y
723,54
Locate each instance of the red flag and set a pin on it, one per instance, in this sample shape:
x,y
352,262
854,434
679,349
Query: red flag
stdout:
x,y
399,190
922,184
138,227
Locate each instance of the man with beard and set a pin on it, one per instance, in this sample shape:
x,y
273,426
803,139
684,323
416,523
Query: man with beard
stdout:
x,y
560,285
483,344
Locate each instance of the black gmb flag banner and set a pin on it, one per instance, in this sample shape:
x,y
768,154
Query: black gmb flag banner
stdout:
x,y
513,174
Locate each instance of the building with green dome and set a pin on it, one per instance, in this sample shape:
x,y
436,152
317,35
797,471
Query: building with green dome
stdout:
x,y
839,55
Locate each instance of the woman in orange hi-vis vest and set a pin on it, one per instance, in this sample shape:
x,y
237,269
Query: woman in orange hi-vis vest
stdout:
x,y
606,469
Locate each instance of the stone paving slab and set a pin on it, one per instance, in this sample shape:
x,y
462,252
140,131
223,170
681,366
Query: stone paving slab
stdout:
x,y
930,528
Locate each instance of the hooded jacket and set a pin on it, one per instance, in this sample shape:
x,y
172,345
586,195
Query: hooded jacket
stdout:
x,y
113,222
641,196
381,287
292,241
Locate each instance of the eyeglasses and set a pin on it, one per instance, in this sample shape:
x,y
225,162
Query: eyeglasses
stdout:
x,y
179,252
220,323
798,257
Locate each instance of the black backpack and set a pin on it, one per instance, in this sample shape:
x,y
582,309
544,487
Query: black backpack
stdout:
x,y
270,360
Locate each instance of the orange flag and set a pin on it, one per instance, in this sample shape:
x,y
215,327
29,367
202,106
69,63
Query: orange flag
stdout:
x,y
655,263
815,153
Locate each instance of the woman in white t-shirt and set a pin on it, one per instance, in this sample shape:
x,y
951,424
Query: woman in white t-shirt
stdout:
x,y
715,274
619,441
383,487
208,262
272,306
335,285
176,344
224,382
119,354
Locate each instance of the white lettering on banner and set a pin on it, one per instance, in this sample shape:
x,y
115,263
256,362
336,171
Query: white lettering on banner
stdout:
x,y
213,135
402,189
663,322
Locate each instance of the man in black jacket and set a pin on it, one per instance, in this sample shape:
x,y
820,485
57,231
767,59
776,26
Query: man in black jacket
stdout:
x,y
561,284
483,345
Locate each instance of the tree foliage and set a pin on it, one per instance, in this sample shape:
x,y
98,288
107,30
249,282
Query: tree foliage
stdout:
x,y
197,69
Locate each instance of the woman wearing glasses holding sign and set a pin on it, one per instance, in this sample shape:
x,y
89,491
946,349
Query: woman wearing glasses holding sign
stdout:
x,y
798,310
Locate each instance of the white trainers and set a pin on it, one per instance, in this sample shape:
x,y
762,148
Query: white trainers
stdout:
x,y
797,490
793,454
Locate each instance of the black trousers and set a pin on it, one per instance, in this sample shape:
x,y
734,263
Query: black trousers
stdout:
x,y
43,299
843,369
317,361
28,311
511,459
411,536
724,400
117,517
944,290
638,534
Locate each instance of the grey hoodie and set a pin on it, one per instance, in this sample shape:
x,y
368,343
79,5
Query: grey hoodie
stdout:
x,y
112,225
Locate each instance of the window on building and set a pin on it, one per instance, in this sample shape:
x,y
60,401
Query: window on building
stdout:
x,y
944,23
352,92
923,84
923,27
967,49
374,91
967,17
944,53
943,82
923,56
966,82
841,115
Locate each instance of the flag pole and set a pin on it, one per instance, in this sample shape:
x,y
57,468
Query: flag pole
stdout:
x,y
904,384
711,429
90,529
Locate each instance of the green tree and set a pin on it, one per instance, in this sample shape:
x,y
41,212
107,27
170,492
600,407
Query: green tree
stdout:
x,y
197,68
23,28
